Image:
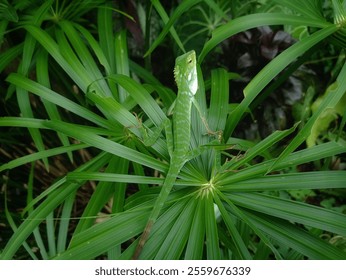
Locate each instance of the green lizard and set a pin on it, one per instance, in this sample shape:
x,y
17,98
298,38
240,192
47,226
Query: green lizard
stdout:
x,y
185,74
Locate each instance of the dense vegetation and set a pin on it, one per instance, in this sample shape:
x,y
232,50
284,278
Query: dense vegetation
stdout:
x,y
81,79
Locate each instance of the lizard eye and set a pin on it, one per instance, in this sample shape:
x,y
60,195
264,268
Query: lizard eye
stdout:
x,y
190,60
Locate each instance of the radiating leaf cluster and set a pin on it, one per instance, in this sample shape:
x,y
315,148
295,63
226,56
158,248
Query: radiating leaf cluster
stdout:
x,y
228,202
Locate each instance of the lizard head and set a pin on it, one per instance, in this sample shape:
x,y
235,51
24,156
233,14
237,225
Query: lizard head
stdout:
x,y
185,72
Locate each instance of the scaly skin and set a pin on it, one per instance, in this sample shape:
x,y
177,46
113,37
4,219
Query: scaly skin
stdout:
x,y
185,74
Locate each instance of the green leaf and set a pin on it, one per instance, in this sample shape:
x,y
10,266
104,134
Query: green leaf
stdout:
x,y
106,35
244,23
219,99
85,135
114,177
212,239
291,181
177,237
65,222
23,96
243,217
100,196
271,70
40,155
121,60
294,159
329,115
39,214
55,51
195,245
98,239
296,238
183,7
311,9
142,97
43,79
15,228
239,244
292,211
55,98
8,12
163,225
6,57
88,135
96,48
77,54
330,101
259,149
